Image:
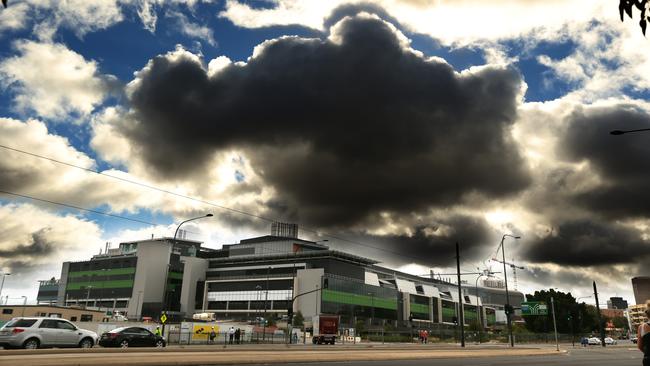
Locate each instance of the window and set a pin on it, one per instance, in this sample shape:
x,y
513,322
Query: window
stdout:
x,y
55,315
73,318
65,325
42,314
143,332
86,317
7,311
49,323
23,323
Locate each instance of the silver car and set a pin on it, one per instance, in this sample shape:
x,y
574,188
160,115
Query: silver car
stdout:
x,y
32,333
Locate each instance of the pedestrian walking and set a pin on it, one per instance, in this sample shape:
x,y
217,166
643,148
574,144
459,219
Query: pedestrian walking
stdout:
x,y
584,341
157,331
426,336
212,335
237,335
643,337
231,335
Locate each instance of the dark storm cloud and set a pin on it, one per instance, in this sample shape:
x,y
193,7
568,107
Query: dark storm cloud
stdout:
x,y
433,245
587,243
340,130
621,161
38,246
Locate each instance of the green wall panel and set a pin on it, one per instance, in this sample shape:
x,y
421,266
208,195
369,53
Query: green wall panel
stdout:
x,y
100,284
106,272
419,308
355,299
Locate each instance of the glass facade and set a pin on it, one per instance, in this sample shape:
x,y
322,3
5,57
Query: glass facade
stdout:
x,y
448,311
353,299
490,317
101,279
420,308
469,314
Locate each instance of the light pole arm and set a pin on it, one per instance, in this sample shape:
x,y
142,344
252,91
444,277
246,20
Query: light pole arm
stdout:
x,y
188,220
304,293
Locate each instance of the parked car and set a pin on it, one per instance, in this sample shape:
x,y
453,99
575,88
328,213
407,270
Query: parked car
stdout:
x,y
131,337
610,341
594,341
37,332
634,339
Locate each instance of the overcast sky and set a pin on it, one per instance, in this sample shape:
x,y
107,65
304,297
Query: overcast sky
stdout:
x,y
391,128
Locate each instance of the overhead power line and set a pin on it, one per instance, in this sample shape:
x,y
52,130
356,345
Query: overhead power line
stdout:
x,y
148,186
77,207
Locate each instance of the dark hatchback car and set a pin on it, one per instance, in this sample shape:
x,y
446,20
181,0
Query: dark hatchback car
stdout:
x,y
131,337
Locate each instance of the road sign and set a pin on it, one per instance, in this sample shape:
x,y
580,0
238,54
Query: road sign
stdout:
x,y
532,308
163,318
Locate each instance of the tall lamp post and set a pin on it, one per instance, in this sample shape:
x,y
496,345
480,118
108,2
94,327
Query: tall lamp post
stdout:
x,y
3,284
479,312
24,304
508,307
580,312
168,264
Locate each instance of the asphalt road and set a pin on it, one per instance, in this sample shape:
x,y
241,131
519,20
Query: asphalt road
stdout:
x,y
612,356
393,355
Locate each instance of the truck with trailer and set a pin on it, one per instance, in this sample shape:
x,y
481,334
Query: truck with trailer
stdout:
x,y
325,329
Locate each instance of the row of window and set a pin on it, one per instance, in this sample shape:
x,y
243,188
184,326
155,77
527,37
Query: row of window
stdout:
x,y
103,264
256,306
52,323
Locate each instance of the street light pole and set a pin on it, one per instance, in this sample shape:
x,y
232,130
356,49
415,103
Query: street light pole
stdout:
x,y
479,313
188,220
87,296
557,345
3,283
508,307
168,264
24,304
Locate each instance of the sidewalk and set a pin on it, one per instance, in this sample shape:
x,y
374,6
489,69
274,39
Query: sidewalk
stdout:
x,y
247,355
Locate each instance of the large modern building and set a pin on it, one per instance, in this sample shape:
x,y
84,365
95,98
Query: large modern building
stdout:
x,y
48,291
616,303
131,278
637,315
264,277
641,287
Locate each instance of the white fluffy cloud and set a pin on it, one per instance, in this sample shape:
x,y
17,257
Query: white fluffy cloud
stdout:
x,y
451,21
36,241
53,81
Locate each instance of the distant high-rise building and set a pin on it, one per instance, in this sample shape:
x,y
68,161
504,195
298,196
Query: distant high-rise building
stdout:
x,y
616,303
641,287
284,230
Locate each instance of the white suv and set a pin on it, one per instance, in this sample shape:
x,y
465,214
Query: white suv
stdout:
x,y
33,333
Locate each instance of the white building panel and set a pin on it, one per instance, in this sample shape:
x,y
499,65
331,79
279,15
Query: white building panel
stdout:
x,y
430,291
372,279
406,286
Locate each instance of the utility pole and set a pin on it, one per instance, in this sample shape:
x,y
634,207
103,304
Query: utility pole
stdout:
x,y
600,322
557,345
461,321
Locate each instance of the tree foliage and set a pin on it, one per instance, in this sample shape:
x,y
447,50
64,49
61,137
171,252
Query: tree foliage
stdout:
x,y
298,319
582,318
626,6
